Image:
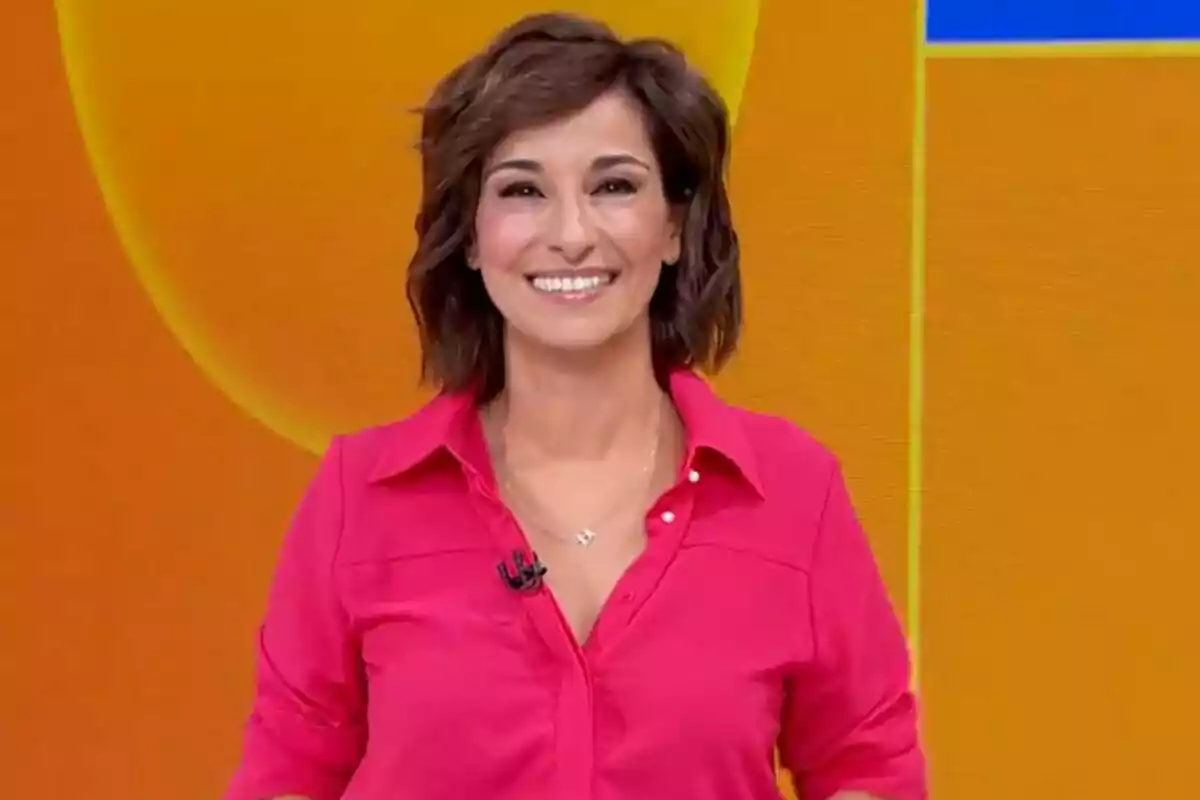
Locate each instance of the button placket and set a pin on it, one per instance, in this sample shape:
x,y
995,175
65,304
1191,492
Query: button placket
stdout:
x,y
666,528
540,606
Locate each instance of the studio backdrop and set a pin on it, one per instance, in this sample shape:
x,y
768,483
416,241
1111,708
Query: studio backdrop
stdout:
x,y
970,258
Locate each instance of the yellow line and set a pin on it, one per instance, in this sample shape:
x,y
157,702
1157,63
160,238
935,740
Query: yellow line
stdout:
x,y
916,343
1182,48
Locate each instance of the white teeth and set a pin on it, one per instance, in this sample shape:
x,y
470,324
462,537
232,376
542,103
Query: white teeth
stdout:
x,y
576,284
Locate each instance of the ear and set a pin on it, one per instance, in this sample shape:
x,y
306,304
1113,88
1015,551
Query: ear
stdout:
x,y
674,246
472,257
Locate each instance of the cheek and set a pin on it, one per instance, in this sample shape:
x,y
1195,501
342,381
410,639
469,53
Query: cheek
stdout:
x,y
502,236
642,236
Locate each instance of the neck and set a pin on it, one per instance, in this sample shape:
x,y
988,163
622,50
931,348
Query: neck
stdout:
x,y
577,405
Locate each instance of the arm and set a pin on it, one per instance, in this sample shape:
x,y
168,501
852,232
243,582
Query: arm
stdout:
x,y
850,720
307,730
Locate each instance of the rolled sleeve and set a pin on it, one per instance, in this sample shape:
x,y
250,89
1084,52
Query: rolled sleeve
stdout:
x,y
851,716
306,732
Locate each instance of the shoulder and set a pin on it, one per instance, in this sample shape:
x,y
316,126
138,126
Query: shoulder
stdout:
x,y
372,454
776,437
798,476
787,456
362,451
391,479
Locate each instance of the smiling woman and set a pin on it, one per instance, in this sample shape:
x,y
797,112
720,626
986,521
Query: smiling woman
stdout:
x,y
692,590
581,174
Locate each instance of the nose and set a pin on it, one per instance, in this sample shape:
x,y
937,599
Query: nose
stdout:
x,y
573,232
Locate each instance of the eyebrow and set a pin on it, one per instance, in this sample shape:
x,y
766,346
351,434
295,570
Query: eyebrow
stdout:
x,y
599,163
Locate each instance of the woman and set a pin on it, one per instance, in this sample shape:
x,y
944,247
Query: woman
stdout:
x,y
576,573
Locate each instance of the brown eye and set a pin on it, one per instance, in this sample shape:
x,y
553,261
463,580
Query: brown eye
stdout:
x,y
520,189
616,186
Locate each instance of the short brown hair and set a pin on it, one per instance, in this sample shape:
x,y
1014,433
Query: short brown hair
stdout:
x,y
541,68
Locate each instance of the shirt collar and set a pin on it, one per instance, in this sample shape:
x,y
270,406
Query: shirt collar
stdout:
x,y
714,426
450,423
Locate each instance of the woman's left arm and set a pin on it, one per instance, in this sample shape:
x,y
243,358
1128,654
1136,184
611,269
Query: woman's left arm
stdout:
x,y
850,722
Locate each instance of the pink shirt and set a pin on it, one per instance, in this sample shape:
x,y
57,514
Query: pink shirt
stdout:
x,y
395,662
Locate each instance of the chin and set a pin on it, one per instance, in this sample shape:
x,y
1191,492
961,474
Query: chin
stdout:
x,y
582,340
575,344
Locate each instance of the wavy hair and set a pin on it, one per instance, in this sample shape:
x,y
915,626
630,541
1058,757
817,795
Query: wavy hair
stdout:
x,y
539,69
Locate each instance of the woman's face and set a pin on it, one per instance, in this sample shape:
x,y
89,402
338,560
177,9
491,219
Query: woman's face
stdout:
x,y
572,228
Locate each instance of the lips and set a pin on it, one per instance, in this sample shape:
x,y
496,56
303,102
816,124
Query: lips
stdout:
x,y
569,284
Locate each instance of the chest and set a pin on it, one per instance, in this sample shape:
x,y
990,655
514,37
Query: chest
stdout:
x,y
583,572
684,629
589,532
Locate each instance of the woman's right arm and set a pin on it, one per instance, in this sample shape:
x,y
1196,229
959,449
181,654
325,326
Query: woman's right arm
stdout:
x,y
307,729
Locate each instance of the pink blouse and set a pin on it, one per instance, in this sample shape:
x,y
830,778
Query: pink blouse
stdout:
x,y
396,661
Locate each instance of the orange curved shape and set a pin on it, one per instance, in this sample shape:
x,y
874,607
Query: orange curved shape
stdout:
x,y
256,162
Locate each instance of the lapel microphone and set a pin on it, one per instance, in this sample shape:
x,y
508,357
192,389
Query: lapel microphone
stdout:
x,y
527,576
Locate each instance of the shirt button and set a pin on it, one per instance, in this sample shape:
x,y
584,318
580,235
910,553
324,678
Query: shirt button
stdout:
x,y
694,476
668,517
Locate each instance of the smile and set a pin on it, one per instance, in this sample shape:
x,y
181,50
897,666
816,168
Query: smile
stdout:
x,y
571,284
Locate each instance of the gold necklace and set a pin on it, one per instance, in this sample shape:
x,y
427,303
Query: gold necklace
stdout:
x,y
585,536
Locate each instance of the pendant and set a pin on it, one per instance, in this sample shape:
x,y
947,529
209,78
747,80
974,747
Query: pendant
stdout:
x,y
585,537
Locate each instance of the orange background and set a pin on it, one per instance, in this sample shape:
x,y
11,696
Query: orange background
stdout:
x,y
976,278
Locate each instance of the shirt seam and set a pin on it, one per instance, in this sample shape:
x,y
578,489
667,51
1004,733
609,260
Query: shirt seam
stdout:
x,y
338,449
813,556
750,553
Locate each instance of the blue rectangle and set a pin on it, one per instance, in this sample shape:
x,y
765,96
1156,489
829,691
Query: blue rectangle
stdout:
x,y
1061,20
